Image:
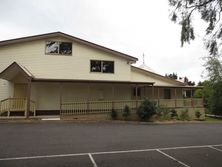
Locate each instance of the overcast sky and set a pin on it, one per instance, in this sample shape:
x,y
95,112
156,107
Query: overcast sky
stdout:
x,y
130,26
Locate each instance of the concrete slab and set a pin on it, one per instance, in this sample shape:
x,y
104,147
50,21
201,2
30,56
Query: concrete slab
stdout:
x,y
139,159
198,157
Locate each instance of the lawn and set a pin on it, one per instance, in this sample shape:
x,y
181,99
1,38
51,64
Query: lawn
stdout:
x,y
210,119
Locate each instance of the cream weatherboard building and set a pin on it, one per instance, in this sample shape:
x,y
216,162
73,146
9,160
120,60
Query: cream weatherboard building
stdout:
x,y
56,73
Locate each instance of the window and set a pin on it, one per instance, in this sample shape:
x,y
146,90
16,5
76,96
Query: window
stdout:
x,y
167,94
58,48
102,66
138,93
95,66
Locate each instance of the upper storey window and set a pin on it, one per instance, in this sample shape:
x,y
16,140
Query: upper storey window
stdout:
x,y
58,48
102,66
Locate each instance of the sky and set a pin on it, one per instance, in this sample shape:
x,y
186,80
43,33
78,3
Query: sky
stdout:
x,y
134,27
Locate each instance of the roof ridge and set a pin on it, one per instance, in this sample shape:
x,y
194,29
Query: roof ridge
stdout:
x,y
58,33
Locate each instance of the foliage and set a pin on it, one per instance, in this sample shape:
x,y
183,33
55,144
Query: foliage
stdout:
x,y
146,109
197,114
184,116
174,113
198,93
185,79
188,82
165,113
213,67
215,99
113,114
209,10
206,92
172,76
126,111
214,70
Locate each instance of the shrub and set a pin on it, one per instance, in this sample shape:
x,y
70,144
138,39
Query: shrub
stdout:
x,y
174,113
184,115
146,109
197,114
113,114
126,111
163,113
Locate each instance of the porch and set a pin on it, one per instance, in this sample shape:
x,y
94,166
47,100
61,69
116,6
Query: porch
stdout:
x,y
16,108
95,107
30,95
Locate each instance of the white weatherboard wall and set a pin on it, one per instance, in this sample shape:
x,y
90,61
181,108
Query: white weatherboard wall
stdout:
x,y
6,89
47,95
32,56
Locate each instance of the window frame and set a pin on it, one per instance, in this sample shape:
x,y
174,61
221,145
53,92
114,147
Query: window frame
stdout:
x,y
101,66
139,90
58,54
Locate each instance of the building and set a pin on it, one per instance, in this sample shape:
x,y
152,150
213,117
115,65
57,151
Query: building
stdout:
x,y
57,73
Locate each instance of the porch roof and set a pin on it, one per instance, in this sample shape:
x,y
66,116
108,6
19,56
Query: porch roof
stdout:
x,y
14,70
185,87
91,81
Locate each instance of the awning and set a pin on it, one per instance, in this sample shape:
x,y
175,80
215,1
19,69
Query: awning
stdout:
x,y
16,72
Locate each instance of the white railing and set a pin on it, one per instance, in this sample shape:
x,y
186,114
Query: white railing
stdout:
x,y
87,107
16,105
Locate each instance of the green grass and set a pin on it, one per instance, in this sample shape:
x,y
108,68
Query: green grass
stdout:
x,y
210,119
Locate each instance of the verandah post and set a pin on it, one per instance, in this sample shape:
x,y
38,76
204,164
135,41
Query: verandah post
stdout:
x,y
88,98
60,97
158,95
28,99
136,97
113,96
203,97
175,97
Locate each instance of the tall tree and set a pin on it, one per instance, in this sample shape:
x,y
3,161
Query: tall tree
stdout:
x,y
214,69
209,10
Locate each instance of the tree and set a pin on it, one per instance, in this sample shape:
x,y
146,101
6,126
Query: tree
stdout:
x,y
187,82
185,79
209,10
215,99
214,70
172,76
205,92
126,112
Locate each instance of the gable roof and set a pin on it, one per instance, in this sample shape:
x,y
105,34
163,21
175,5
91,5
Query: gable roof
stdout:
x,y
158,76
61,34
13,69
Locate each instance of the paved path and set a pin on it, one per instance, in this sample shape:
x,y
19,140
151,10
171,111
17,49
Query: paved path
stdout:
x,y
110,144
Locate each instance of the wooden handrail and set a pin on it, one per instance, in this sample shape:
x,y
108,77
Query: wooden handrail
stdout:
x,y
16,104
85,107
